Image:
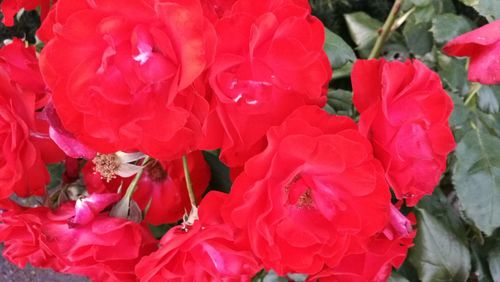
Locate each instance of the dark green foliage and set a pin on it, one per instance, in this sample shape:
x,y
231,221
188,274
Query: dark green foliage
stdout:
x,y
459,225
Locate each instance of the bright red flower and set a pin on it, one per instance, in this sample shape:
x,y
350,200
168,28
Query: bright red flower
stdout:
x,y
162,187
20,231
210,250
164,184
22,170
313,196
124,73
404,112
24,135
269,61
482,45
384,251
106,249
21,63
10,8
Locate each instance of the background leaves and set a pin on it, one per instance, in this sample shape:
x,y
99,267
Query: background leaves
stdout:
x,y
476,176
458,236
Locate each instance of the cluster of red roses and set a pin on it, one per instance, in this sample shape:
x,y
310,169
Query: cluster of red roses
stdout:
x,y
168,78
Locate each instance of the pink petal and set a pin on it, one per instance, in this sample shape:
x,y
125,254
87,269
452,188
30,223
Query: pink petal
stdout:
x,y
64,139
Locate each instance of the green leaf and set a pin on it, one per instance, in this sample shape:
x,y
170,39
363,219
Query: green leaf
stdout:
x,y
480,264
443,210
445,27
489,122
395,51
460,113
159,230
494,262
339,53
438,254
490,9
363,30
220,179
343,72
487,100
424,14
56,171
476,176
418,37
453,73
340,102
396,277
421,3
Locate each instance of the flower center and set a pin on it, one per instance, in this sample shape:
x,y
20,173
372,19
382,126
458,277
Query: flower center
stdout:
x,y
145,52
106,165
299,193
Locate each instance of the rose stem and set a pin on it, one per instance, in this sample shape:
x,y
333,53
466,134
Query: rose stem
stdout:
x,y
386,30
133,185
189,184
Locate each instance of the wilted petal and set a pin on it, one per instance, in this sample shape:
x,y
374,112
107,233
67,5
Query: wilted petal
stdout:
x,y
64,139
86,209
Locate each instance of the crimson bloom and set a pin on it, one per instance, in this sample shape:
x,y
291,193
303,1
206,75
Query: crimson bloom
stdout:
x,y
20,231
482,46
314,195
162,187
128,80
21,63
26,145
269,61
22,170
105,249
404,112
385,250
209,250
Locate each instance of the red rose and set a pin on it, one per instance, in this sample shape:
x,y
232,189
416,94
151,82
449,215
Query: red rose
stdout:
x,y
385,251
207,251
269,61
404,112
123,73
21,63
106,249
22,170
20,231
482,45
314,195
10,8
162,187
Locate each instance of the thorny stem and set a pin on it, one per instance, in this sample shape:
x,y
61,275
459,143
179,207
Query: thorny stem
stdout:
x,y
386,29
189,184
